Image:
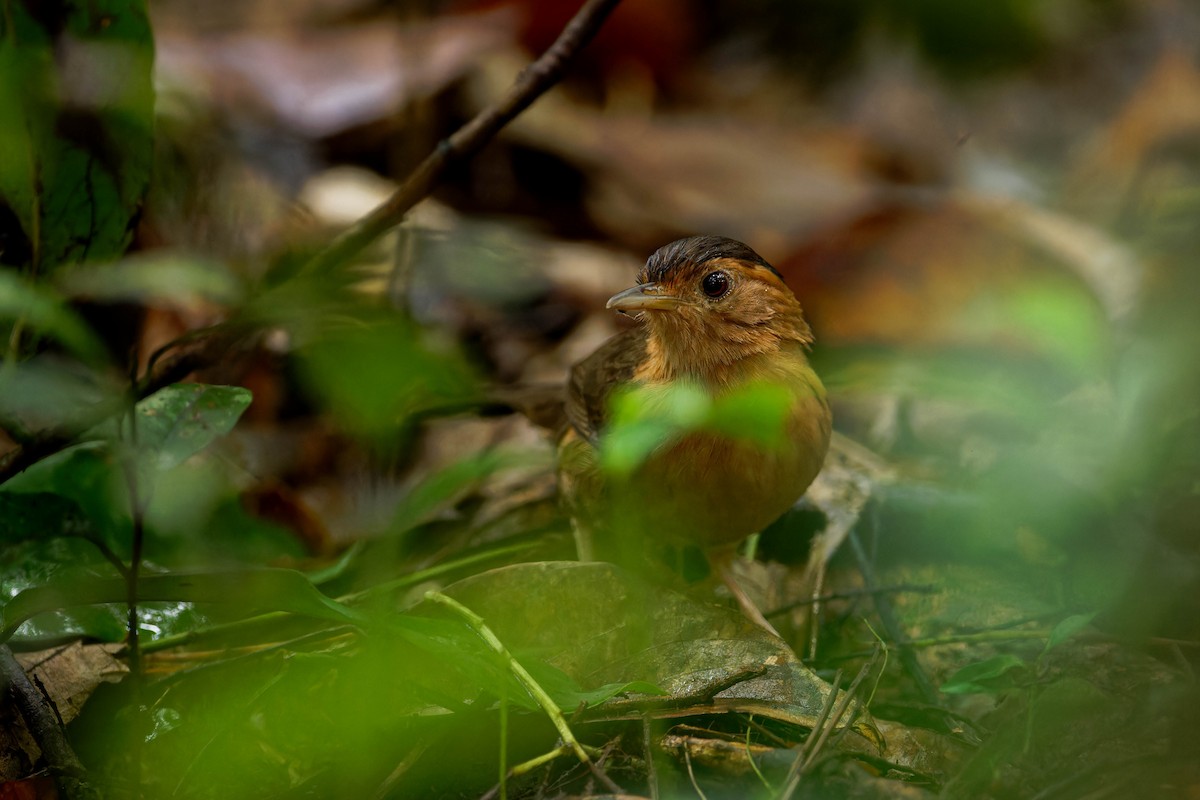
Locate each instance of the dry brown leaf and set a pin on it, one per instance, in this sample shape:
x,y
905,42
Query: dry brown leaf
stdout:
x,y
67,676
320,81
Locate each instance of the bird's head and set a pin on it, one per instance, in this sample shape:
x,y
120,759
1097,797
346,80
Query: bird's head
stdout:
x,y
709,302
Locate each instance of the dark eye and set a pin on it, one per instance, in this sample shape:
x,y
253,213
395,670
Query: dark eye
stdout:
x,y
715,284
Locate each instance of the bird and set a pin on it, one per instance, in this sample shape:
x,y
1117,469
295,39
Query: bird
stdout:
x,y
714,316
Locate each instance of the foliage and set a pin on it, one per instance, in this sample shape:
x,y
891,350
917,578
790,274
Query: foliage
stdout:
x,y
277,521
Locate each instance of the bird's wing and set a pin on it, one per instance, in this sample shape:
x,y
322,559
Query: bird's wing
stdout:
x,y
594,378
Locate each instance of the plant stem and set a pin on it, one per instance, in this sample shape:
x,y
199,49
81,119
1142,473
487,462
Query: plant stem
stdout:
x,y
476,623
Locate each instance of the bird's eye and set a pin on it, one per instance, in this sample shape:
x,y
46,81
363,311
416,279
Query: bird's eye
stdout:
x,y
715,284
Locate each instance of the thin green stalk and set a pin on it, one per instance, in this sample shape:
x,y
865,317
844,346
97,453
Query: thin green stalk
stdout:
x,y
526,680
522,675
504,741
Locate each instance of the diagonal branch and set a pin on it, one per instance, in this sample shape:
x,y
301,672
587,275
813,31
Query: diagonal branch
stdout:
x,y
204,348
530,84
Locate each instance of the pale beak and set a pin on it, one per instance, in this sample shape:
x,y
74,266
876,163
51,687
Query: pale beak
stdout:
x,y
646,297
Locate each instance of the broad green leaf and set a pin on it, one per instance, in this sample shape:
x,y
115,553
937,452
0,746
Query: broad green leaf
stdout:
x,y
77,133
255,590
181,420
610,632
44,312
985,677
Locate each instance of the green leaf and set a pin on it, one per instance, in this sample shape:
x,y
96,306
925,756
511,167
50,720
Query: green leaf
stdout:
x,y
44,312
89,476
38,515
611,690
447,485
152,279
251,591
645,418
374,374
756,413
567,694
50,390
36,562
78,129
181,420
1066,629
985,677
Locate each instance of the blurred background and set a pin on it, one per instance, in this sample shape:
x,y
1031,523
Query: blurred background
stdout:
x,y
989,211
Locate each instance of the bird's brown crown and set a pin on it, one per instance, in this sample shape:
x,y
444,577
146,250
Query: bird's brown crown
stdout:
x,y
711,305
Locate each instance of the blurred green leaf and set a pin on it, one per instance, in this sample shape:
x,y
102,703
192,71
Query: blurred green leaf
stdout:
x,y
152,279
1067,629
971,39
78,129
447,485
466,668
50,390
179,421
755,413
645,418
989,676
250,591
373,375
44,312
1051,316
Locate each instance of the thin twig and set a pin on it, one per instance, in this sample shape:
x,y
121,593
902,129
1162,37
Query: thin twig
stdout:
x,y
648,748
138,498
795,772
530,84
830,722
754,765
504,741
850,696
69,774
848,594
687,759
891,625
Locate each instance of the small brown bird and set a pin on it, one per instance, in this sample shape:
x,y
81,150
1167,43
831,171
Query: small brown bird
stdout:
x,y
717,316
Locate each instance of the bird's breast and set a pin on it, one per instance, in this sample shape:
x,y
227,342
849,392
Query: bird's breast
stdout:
x,y
712,489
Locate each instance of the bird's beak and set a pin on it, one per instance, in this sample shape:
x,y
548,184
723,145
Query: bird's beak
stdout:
x,y
646,297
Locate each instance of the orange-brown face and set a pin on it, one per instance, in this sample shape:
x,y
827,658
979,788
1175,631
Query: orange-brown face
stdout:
x,y
710,302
